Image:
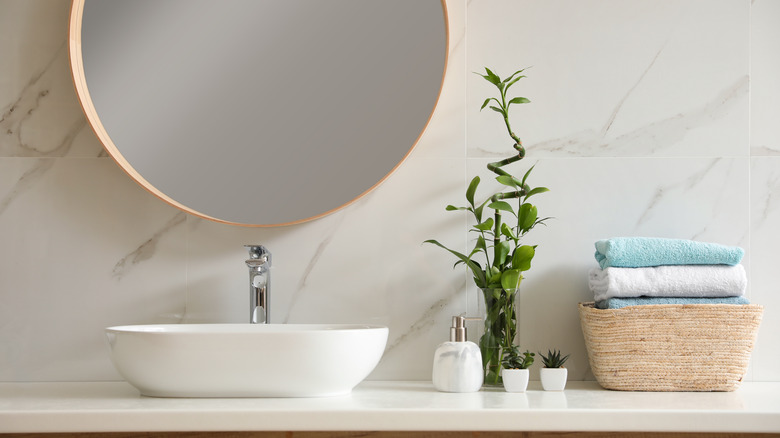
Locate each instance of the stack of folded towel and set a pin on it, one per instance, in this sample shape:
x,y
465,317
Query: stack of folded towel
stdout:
x,y
646,270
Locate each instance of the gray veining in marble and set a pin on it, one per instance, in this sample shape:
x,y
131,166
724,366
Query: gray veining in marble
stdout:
x,y
771,202
425,321
26,182
616,110
682,186
301,287
764,150
18,119
655,139
146,250
28,100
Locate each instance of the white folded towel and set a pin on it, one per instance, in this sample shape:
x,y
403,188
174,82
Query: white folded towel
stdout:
x,y
669,281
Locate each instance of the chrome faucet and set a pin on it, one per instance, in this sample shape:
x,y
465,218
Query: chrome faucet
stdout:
x,y
259,283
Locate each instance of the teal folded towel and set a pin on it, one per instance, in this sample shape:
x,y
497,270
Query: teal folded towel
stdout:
x,y
639,252
619,303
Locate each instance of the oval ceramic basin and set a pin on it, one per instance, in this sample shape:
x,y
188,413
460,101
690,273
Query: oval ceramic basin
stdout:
x,y
246,360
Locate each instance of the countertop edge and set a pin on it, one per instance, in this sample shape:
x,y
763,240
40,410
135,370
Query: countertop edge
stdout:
x,y
390,406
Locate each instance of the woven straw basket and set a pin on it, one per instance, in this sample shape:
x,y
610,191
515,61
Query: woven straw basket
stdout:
x,y
670,347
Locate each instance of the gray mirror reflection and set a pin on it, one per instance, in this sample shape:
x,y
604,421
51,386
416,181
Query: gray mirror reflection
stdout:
x,y
263,111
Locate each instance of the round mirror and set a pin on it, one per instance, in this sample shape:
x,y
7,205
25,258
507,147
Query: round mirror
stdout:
x,y
258,112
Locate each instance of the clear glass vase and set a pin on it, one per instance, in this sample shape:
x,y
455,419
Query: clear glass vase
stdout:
x,y
500,330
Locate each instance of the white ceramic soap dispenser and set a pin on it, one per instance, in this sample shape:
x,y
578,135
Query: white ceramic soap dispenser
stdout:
x,y
457,364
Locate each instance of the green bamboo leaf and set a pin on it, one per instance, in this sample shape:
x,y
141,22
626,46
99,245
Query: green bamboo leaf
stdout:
x,y
454,208
485,226
506,231
494,278
485,103
513,81
489,341
478,210
460,262
536,191
522,213
475,268
519,100
471,190
492,77
501,205
479,246
502,252
498,110
521,259
526,217
542,220
525,177
508,180
530,220
509,78
510,279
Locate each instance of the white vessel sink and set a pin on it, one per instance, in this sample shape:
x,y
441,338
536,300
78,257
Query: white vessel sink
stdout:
x,y
246,360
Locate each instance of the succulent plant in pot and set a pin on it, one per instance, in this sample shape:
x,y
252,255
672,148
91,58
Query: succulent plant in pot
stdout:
x,y
499,256
553,375
515,369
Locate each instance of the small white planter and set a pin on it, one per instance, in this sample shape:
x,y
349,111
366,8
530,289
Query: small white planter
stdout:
x,y
515,380
553,379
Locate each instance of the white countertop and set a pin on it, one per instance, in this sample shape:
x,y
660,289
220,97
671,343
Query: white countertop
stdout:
x,y
383,406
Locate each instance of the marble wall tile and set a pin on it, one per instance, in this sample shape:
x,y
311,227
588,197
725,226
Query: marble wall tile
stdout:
x,y
40,115
78,256
764,86
613,77
764,247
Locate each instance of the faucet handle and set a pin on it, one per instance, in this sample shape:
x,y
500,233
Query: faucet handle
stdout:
x,y
259,252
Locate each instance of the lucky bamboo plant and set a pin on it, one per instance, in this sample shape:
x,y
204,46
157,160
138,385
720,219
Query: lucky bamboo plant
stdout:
x,y
498,257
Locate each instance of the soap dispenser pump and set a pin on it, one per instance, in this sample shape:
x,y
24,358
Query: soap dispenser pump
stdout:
x,y
457,364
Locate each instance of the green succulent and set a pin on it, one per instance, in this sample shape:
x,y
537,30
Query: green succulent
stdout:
x,y
553,359
514,360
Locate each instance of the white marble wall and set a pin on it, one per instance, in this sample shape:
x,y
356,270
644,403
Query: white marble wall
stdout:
x,y
649,117
765,181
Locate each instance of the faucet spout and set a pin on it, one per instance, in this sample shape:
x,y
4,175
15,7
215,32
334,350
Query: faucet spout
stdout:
x,y
259,264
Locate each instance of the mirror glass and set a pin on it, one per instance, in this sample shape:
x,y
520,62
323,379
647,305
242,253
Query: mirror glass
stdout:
x,y
258,112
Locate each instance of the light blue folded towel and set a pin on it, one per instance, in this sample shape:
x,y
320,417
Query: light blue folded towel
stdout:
x,y
639,252
619,303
